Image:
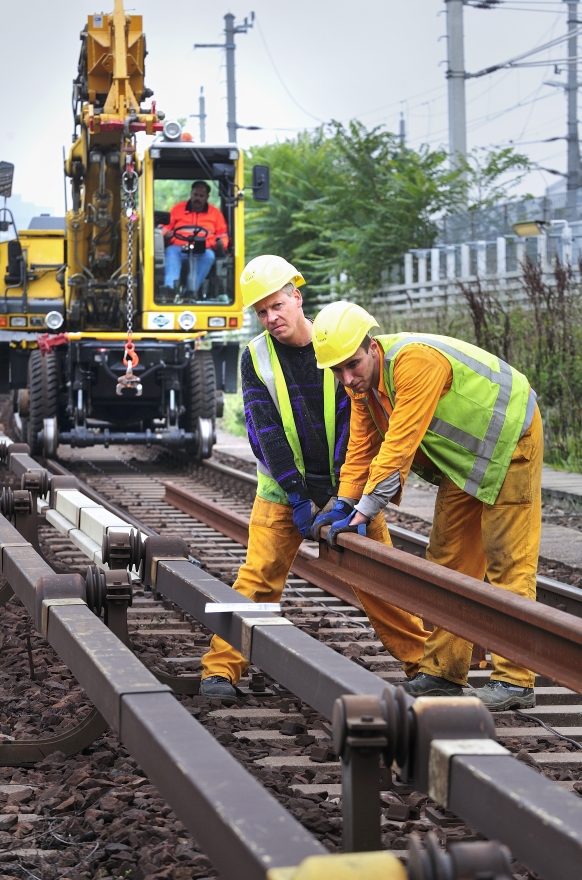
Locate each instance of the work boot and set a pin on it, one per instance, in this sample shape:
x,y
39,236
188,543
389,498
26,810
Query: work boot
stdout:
x,y
498,695
219,687
424,685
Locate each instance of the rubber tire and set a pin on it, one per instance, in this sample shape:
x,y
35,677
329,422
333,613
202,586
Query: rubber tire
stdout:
x,y
200,390
42,395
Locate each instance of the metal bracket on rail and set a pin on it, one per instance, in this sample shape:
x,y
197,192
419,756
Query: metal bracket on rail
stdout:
x,y
112,593
160,549
434,720
248,625
121,550
485,859
360,736
20,506
420,736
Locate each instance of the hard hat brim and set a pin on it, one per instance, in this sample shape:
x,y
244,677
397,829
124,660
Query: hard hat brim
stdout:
x,y
298,280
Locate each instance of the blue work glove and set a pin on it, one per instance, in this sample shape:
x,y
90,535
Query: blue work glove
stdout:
x,y
340,510
303,512
343,525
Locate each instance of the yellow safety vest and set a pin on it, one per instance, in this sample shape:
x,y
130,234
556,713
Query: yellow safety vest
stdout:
x,y
477,424
269,371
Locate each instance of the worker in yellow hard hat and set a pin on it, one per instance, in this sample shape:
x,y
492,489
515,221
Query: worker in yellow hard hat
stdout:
x,y
297,419
463,419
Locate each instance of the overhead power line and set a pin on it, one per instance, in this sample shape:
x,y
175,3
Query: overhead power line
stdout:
x,y
512,62
280,78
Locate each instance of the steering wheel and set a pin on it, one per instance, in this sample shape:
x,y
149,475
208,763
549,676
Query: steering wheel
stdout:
x,y
190,234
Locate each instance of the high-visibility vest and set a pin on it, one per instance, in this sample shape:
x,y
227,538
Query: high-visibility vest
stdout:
x,y
477,424
268,369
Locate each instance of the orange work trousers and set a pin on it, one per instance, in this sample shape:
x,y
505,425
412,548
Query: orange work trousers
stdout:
x,y
273,545
500,540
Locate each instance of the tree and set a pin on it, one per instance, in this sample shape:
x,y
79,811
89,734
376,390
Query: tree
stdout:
x,y
302,170
348,202
490,176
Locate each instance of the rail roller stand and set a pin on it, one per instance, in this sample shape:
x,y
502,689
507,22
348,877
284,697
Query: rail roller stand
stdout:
x,y
19,506
420,736
487,860
111,591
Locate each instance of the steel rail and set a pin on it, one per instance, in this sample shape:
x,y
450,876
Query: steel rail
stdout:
x,y
242,828
549,591
545,639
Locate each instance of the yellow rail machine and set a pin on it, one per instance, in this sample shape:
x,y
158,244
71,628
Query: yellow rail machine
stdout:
x,y
99,333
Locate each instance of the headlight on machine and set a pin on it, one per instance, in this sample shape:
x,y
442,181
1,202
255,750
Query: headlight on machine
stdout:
x,y
54,320
172,130
186,320
217,322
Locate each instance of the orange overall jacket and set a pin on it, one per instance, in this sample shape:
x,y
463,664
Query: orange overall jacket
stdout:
x,y
212,219
421,377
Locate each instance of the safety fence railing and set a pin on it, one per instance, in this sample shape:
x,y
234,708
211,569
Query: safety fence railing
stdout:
x,y
432,278
443,746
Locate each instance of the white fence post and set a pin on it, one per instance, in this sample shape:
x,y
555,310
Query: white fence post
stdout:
x,y
520,253
567,245
422,272
501,255
543,251
408,272
465,261
501,245
481,258
451,262
435,270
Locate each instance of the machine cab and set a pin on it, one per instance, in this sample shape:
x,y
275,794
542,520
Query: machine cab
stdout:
x,y
191,274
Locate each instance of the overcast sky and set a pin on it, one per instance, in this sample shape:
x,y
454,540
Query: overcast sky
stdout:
x,y
302,63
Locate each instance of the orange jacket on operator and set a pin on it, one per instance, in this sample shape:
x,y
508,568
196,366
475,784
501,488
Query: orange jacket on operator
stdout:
x,y
212,219
421,377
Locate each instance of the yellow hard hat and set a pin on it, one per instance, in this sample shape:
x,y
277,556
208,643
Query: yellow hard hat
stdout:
x,y
338,332
265,275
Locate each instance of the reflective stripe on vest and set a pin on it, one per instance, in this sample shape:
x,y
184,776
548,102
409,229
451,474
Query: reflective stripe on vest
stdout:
x,y
507,414
268,369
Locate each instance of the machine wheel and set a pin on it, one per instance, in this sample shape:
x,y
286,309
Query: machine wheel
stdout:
x,y
42,395
201,401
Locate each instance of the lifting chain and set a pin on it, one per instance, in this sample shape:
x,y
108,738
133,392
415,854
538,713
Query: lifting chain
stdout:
x,y
129,384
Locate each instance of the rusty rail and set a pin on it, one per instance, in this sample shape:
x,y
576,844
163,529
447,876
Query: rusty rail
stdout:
x,y
542,638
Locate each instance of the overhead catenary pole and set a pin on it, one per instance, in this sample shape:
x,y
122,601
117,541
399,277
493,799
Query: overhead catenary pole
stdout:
x,y
402,132
230,77
456,82
573,179
230,31
202,115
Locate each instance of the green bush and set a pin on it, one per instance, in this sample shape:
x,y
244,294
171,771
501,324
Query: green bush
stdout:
x,y
233,419
540,335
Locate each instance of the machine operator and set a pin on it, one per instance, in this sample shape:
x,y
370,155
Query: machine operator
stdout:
x,y
464,419
297,420
196,234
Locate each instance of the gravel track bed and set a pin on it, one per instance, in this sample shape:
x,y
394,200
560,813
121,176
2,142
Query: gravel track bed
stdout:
x,y
96,815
